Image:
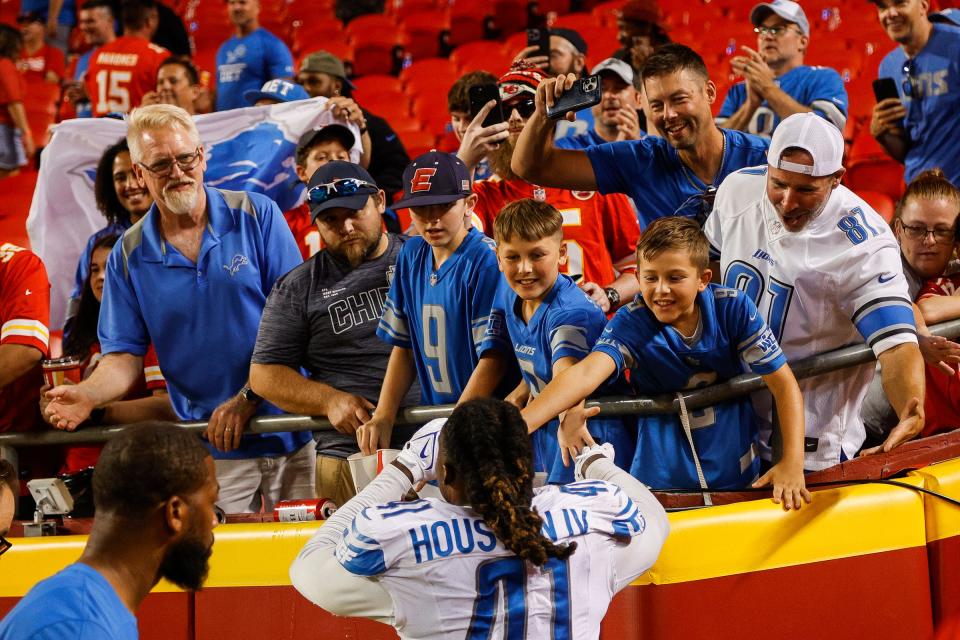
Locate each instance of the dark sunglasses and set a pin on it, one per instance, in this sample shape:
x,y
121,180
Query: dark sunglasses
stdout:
x,y
908,81
525,107
337,189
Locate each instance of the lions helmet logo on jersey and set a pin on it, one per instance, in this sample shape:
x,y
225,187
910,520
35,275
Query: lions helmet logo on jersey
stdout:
x,y
235,264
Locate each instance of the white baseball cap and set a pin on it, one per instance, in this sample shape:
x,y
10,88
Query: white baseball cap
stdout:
x,y
815,135
786,9
617,67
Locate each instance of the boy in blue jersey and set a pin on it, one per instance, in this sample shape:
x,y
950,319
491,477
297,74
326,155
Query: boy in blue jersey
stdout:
x,y
776,84
440,297
544,321
683,333
676,173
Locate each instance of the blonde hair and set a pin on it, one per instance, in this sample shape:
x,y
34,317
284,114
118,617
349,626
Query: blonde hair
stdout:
x,y
529,220
929,185
153,118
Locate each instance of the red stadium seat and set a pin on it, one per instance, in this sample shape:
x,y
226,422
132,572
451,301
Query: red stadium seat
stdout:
x,y
468,23
375,84
486,54
402,9
389,106
576,21
515,43
376,53
860,93
510,16
553,6
606,13
881,203
869,168
41,105
417,142
423,33
428,73
369,25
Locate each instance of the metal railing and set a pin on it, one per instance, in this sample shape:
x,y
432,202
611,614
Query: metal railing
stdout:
x,y
621,405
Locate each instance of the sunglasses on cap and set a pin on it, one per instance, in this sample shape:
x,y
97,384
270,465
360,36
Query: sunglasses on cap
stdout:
x,y
337,189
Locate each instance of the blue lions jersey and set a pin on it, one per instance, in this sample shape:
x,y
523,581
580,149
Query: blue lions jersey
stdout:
x,y
820,88
441,314
933,106
565,325
652,174
450,577
244,64
732,336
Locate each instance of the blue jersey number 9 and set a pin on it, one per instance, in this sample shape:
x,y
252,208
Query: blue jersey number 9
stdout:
x,y
435,347
510,575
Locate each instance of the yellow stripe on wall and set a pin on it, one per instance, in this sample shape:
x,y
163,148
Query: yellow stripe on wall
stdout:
x,y
943,518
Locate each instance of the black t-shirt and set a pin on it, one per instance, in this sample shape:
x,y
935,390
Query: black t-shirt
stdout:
x,y
322,317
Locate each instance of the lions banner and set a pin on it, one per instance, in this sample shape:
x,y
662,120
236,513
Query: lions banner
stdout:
x,y
246,149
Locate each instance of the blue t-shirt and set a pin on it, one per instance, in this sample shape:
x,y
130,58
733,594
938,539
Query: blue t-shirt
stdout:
x,y
77,603
244,64
933,119
202,317
565,325
580,141
583,123
820,88
441,314
732,338
651,173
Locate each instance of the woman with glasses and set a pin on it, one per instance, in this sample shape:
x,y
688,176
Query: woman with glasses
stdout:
x,y
121,199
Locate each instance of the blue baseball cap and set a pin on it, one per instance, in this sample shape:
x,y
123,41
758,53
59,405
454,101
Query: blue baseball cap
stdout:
x,y
347,195
434,178
278,90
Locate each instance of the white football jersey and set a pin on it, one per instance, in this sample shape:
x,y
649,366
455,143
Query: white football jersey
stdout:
x,y
837,282
449,576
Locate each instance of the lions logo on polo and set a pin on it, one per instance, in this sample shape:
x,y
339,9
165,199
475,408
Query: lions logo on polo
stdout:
x,y
235,264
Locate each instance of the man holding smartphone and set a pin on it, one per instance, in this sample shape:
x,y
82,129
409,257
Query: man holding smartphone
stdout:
x,y
617,115
920,128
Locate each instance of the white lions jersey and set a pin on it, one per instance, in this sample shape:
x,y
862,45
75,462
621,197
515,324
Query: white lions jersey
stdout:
x,y
837,282
449,576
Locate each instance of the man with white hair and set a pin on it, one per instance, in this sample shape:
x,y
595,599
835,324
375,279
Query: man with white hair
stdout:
x,y
192,276
824,268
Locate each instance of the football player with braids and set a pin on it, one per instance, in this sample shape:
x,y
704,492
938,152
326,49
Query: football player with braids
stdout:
x,y
494,558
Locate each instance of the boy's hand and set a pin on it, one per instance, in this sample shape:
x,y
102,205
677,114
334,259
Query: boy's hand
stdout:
x,y
573,436
374,434
789,486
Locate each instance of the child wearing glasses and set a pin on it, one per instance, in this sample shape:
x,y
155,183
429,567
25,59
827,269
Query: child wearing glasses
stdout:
x,y
439,303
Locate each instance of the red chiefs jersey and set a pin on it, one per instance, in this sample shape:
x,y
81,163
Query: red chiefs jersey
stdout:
x,y
600,231
34,66
79,457
941,404
121,72
304,231
24,317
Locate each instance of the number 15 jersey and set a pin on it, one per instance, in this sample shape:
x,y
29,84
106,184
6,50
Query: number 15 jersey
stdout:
x,y
121,73
450,578
836,282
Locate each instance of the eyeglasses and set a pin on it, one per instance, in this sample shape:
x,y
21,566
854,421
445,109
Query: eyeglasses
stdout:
x,y
773,32
908,82
338,188
163,168
4,545
920,232
525,107
703,203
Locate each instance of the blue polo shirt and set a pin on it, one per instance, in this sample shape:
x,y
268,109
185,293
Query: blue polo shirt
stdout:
x,y
201,317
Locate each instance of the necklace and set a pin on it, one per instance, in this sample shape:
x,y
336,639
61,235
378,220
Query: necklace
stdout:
x,y
687,170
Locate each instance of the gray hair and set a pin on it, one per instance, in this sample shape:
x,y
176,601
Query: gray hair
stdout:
x,y
155,117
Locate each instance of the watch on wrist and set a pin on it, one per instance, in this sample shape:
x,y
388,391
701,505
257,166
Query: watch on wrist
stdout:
x,y
613,296
249,396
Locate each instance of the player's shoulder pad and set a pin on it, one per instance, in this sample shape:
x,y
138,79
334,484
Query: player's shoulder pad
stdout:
x,y
588,506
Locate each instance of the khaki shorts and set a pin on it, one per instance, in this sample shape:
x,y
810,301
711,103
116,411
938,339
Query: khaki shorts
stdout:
x,y
334,480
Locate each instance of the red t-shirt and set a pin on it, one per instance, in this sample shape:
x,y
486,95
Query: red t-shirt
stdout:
x,y
34,66
79,457
601,231
24,318
12,89
941,405
121,72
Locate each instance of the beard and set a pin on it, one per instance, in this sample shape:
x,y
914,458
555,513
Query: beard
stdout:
x,y
500,160
187,563
356,253
179,203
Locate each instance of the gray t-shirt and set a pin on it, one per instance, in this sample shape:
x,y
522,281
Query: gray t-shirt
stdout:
x,y
322,317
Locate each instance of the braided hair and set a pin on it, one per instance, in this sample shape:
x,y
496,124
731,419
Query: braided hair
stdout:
x,y
486,442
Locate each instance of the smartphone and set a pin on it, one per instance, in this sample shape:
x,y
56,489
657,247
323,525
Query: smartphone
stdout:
x,y
480,95
539,38
584,93
884,88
